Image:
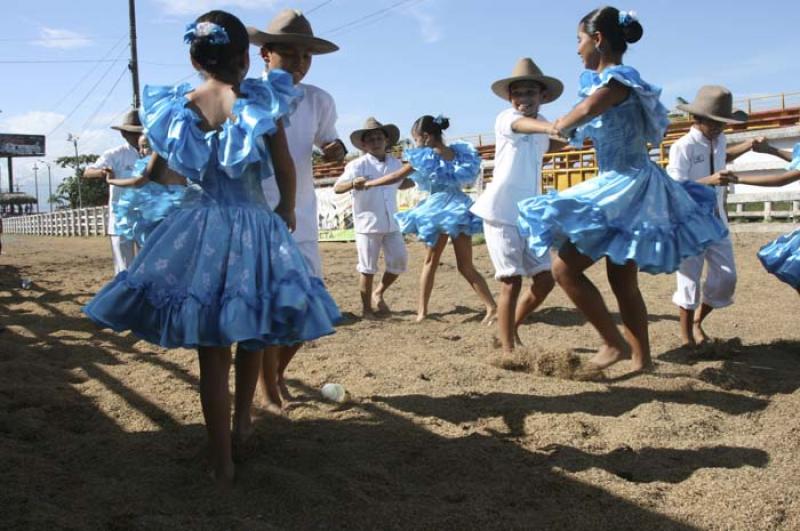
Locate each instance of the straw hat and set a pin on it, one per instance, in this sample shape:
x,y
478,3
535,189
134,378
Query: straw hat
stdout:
x,y
526,70
290,26
716,103
371,124
131,123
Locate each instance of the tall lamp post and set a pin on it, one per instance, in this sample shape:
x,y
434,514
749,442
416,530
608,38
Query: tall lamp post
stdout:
x,y
49,185
74,139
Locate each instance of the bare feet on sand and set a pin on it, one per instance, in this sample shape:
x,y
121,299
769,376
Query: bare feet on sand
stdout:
x,y
379,303
490,317
700,336
608,356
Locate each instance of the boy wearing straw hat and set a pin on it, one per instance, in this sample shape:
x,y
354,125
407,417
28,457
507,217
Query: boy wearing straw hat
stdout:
x,y
289,44
521,141
373,211
701,155
114,164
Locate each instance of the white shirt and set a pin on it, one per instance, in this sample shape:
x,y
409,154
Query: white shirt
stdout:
x,y
313,123
373,208
120,159
689,161
517,170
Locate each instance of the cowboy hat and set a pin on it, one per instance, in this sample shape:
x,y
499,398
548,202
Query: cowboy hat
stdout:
x,y
526,70
290,26
130,123
371,124
716,103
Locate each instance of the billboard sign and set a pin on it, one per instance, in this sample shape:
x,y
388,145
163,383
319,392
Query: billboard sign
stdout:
x,y
21,145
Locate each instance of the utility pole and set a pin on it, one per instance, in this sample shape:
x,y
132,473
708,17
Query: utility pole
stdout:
x,y
36,184
133,65
49,186
74,139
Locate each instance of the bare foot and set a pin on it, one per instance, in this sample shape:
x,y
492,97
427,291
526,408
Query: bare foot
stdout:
x,y
222,476
490,317
700,336
421,316
286,395
379,303
608,356
517,339
368,314
242,429
688,342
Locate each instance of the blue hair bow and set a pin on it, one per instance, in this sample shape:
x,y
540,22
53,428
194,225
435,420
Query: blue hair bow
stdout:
x,y
439,120
215,33
626,18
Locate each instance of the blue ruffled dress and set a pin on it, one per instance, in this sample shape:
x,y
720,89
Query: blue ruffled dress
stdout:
x,y
446,209
781,257
632,211
222,268
140,210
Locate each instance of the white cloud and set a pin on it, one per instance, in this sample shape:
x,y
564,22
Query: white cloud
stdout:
x,y
198,7
429,27
61,38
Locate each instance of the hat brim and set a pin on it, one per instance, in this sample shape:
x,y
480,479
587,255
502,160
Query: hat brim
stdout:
x,y
736,116
129,128
315,44
553,87
391,130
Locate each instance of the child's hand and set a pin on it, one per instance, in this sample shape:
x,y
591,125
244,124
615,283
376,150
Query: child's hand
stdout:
x,y
333,151
723,178
760,145
108,173
359,183
287,215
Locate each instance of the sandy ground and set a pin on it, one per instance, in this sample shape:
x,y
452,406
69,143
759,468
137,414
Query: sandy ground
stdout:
x,y
102,431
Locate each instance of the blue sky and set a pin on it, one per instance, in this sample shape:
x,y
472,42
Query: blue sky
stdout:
x,y
416,57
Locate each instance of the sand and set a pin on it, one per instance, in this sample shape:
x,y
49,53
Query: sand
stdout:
x,y
102,431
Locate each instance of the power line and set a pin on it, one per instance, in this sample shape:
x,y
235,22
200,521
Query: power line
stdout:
x,y
87,74
318,6
367,16
105,98
88,93
58,39
55,61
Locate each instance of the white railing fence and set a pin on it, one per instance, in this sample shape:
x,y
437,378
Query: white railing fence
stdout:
x,y
78,222
768,206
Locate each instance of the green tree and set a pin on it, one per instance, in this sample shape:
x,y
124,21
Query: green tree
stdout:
x,y
93,191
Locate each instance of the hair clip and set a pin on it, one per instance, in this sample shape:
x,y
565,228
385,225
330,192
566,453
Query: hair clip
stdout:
x,y
215,33
627,17
439,120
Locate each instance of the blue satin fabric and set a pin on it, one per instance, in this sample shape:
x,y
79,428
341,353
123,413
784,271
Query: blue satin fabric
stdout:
x,y
781,256
222,267
140,210
632,211
446,209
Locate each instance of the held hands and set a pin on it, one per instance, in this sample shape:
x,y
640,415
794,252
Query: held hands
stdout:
x,y
333,151
286,213
722,178
107,173
760,145
360,183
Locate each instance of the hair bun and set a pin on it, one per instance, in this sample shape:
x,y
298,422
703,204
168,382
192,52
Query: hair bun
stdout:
x,y
632,32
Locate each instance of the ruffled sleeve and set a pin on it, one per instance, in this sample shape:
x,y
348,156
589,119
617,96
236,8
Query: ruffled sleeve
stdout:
x,y
173,131
655,114
140,165
263,103
175,134
795,164
467,163
425,162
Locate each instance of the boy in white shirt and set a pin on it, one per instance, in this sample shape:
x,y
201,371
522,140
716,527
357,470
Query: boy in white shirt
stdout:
x,y
117,163
520,144
374,210
701,155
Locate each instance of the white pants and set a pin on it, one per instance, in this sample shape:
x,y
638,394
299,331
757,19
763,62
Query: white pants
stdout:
x,y
123,252
720,278
509,252
310,251
369,249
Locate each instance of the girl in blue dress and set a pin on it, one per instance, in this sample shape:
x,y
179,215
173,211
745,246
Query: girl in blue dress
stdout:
x,y
632,213
146,203
781,257
223,268
442,170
